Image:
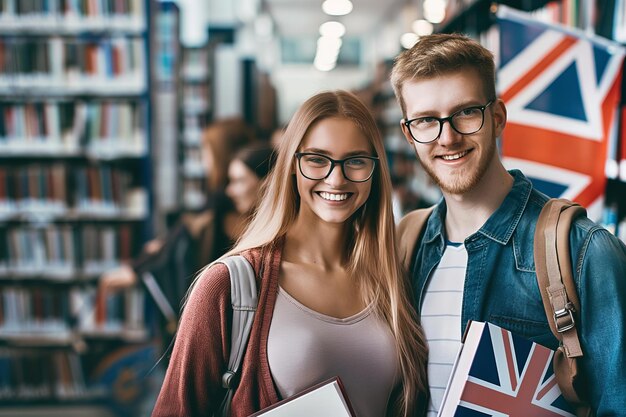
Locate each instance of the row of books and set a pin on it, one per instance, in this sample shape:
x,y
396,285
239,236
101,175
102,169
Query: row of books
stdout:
x,y
196,105
194,194
69,24
58,190
572,13
20,8
195,98
68,7
22,186
44,310
63,252
192,130
195,66
193,166
56,317
31,375
71,16
117,314
101,129
75,64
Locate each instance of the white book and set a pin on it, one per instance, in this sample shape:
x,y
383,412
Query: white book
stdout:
x,y
326,399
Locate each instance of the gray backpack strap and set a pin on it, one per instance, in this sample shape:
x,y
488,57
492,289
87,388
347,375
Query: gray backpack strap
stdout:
x,y
244,299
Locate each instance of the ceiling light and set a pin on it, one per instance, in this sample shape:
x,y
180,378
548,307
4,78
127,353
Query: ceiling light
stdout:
x,y
434,10
408,40
332,29
337,7
326,57
324,66
325,60
326,42
422,27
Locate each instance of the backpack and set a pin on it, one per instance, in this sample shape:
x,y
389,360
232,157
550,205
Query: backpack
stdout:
x,y
244,300
555,279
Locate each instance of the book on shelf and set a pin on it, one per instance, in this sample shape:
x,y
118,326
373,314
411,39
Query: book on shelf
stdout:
x,y
326,399
499,373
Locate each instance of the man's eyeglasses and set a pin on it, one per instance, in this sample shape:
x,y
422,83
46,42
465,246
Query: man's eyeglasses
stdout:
x,y
466,121
318,167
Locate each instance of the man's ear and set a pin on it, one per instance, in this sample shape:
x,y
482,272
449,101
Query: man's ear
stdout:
x,y
406,133
499,116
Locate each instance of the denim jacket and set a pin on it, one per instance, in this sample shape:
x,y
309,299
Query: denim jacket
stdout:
x,y
501,286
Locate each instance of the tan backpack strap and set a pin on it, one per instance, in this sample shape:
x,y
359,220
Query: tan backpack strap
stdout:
x,y
558,290
554,271
408,231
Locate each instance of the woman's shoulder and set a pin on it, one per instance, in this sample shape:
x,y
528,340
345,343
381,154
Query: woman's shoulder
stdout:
x,y
214,279
212,282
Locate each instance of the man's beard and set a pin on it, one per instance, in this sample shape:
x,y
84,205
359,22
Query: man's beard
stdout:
x,y
463,182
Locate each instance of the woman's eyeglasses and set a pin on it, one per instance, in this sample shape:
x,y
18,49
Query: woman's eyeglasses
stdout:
x,y
315,166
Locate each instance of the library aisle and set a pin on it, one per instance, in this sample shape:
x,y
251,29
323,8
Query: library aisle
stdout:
x,y
105,107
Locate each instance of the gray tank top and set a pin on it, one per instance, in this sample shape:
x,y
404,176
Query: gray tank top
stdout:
x,y
306,347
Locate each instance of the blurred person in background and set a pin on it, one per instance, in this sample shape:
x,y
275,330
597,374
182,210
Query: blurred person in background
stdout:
x,y
198,238
246,173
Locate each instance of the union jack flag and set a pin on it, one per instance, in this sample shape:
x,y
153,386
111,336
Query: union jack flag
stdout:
x,y
561,88
508,376
622,156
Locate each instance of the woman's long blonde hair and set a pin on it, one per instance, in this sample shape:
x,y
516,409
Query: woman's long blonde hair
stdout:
x,y
371,249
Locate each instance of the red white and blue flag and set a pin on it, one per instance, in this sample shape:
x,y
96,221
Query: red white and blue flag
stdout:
x,y
511,376
562,89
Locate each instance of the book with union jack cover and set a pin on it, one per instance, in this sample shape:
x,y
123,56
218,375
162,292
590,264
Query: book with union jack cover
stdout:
x,y
498,373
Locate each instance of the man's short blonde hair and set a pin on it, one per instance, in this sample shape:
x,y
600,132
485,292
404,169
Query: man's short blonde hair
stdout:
x,y
440,54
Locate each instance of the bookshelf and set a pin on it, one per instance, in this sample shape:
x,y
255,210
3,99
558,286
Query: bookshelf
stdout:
x,y
74,198
195,93
165,69
182,81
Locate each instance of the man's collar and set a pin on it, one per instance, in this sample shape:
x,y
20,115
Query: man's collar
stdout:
x,y
501,224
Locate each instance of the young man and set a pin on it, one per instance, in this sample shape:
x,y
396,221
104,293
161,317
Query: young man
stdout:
x,y
475,258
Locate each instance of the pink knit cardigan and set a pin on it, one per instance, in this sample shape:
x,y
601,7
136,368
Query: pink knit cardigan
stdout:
x,y
192,385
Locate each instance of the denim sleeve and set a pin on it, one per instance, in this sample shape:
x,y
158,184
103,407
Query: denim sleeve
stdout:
x,y
601,276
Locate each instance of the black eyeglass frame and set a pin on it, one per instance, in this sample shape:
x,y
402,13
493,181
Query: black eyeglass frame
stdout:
x,y
442,120
333,162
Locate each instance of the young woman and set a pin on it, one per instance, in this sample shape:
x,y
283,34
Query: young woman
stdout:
x,y
246,173
332,296
210,231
